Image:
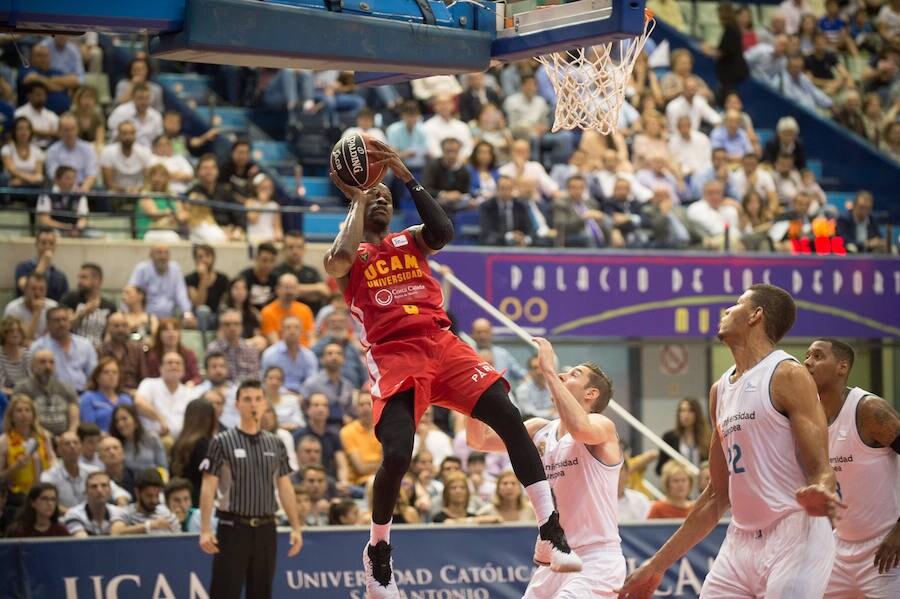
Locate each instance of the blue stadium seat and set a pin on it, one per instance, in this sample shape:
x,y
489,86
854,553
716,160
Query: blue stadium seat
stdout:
x,y
317,187
839,199
322,226
270,152
468,227
230,117
816,167
187,86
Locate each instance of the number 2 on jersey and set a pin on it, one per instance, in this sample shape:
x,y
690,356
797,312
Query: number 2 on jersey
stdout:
x,y
734,458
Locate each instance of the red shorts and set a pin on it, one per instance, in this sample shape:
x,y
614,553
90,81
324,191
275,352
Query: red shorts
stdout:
x,y
436,364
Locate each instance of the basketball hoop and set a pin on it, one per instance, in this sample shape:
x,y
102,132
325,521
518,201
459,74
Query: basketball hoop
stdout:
x,y
590,83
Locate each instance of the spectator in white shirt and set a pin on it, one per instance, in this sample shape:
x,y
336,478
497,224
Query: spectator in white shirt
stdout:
x,y
147,120
162,401
139,73
713,216
181,173
751,177
796,85
690,147
633,505
767,60
692,104
44,121
124,164
443,125
522,166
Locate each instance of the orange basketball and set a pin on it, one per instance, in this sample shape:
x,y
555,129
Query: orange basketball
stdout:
x,y
350,161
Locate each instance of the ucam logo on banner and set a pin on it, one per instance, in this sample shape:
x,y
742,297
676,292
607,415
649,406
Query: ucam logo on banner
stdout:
x,y
588,294
432,562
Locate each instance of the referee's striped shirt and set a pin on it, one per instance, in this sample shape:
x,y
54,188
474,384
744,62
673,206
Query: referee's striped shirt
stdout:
x,y
247,467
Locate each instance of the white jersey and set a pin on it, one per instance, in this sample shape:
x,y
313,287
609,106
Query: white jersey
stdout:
x,y
764,470
867,477
586,489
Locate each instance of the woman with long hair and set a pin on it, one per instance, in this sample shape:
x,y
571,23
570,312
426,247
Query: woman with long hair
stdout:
x,y
142,324
483,171
286,404
143,449
456,496
343,512
690,436
651,140
85,108
23,160
25,448
744,18
158,216
678,484
39,515
263,226
755,221
490,126
13,354
168,339
509,503
103,394
190,448
238,298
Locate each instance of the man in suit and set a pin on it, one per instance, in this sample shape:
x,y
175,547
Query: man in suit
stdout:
x,y
859,231
504,219
475,96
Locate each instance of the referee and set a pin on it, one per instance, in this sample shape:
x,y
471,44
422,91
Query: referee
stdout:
x,y
241,464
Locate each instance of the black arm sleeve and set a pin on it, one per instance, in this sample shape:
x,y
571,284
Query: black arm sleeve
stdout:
x,y
896,444
438,229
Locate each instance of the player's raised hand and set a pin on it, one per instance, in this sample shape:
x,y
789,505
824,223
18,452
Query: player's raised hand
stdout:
x,y
386,155
640,584
817,500
888,555
354,194
546,357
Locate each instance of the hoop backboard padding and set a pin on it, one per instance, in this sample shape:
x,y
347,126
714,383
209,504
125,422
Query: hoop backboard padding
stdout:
x,y
78,16
237,32
563,26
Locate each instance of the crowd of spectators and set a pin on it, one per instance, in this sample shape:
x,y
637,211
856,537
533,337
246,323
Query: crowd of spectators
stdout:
x,y
107,414
686,167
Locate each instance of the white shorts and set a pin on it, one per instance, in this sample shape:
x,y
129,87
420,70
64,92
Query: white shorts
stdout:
x,y
603,570
791,559
855,576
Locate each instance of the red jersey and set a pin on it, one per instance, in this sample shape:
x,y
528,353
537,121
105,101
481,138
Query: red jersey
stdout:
x,y
391,290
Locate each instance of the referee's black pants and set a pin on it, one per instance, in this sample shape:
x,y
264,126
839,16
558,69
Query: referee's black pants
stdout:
x,y
245,554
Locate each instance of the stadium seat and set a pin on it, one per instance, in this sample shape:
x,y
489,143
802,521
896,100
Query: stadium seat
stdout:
x,y
468,227
270,152
322,226
14,223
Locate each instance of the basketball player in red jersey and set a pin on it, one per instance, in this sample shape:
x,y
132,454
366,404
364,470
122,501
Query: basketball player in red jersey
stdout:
x,y
413,359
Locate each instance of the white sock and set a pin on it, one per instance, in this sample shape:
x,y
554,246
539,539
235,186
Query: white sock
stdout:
x,y
541,500
380,532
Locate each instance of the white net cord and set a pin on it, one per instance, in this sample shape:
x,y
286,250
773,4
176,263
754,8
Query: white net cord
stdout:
x,y
590,83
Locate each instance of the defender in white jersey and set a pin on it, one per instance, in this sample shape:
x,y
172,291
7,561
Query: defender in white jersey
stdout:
x,y
580,452
863,443
768,462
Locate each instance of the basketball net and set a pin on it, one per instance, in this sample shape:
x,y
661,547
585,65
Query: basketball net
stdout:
x,y
590,83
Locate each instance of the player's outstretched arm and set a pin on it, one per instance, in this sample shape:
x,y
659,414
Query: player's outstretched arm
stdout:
x,y
794,393
481,437
706,512
340,256
437,228
879,426
590,429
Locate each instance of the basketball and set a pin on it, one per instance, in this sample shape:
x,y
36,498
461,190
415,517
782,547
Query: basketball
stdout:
x,y
350,161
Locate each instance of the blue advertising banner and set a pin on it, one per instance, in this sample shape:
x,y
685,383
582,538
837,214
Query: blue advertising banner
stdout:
x,y
586,294
431,562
